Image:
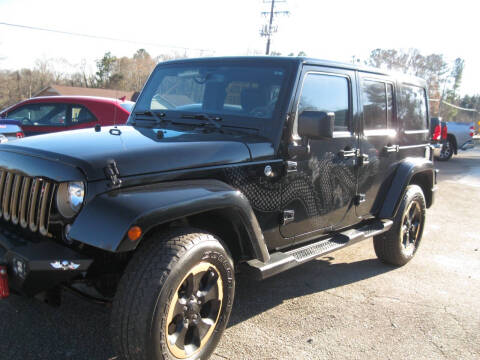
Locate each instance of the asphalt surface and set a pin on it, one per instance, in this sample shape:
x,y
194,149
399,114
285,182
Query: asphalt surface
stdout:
x,y
344,306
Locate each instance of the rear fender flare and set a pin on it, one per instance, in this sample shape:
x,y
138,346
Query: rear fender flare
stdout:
x,y
106,219
408,170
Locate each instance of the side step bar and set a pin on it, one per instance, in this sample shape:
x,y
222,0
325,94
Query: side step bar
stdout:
x,y
281,261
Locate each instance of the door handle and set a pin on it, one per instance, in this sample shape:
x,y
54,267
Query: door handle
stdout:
x,y
391,148
348,153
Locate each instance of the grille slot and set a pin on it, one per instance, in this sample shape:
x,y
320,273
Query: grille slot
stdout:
x,y
26,201
14,198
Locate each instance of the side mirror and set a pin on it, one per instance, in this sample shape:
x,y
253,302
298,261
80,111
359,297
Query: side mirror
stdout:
x,y
316,124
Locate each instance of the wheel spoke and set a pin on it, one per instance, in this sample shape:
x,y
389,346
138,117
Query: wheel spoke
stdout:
x,y
210,294
197,278
178,309
415,228
406,238
417,213
187,288
203,326
405,235
412,212
178,337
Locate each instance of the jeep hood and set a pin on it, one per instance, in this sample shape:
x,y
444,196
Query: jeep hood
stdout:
x,y
140,150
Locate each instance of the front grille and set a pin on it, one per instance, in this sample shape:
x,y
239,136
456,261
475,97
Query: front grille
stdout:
x,y
26,201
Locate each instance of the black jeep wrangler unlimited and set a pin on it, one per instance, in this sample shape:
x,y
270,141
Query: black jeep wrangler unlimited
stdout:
x,y
263,162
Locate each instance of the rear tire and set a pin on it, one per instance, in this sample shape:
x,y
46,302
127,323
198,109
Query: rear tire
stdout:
x,y
399,245
174,299
447,151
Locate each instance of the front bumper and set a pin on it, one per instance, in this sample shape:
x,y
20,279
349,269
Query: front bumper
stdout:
x,y
468,145
36,265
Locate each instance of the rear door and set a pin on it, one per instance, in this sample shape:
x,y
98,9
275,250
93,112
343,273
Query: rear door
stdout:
x,y
318,193
379,140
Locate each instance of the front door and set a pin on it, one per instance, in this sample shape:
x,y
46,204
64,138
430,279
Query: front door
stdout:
x,y
318,196
378,140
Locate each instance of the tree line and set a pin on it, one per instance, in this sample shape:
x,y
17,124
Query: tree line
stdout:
x,y
443,80
121,73
130,73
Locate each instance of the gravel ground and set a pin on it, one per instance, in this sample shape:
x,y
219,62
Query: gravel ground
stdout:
x,y
344,306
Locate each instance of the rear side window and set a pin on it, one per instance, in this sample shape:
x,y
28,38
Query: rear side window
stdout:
x,y
414,112
80,115
377,97
327,93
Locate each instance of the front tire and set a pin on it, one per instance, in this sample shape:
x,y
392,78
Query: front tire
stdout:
x,y
399,245
174,299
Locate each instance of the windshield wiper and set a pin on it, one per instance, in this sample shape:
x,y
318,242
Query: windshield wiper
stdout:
x,y
212,120
159,117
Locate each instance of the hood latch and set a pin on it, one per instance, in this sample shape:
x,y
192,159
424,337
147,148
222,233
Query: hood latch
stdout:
x,y
111,171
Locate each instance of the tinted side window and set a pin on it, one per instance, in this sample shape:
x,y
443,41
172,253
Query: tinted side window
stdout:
x,y
80,115
414,111
374,99
326,93
41,114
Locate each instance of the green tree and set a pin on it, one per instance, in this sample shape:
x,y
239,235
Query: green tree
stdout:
x,y
105,68
451,95
433,68
443,83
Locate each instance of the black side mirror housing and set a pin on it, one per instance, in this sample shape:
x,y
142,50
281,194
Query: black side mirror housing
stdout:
x,y
316,124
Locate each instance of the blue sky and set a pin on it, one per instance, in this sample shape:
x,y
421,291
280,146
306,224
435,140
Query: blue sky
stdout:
x,y
334,30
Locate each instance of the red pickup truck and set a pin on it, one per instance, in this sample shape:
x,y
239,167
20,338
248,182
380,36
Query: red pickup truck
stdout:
x,y
42,115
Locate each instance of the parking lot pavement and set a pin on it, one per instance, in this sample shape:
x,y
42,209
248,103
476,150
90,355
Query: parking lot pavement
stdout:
x,y
344,306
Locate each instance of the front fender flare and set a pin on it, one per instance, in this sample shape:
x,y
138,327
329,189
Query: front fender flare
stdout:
x,y
105,221
405,172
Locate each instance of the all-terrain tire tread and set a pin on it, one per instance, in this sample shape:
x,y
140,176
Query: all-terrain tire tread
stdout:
x,y
139,284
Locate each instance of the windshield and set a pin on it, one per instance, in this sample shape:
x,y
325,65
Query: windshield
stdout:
x,y
225,90
127,105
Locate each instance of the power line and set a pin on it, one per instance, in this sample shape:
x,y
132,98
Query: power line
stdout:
x,y
454,106
102,37
458,107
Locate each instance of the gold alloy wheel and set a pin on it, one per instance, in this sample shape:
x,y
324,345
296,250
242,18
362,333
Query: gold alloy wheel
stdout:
x,y
412,220
194,310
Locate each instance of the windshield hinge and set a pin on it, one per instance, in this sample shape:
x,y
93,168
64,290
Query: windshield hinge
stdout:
x,y
291,166
112,173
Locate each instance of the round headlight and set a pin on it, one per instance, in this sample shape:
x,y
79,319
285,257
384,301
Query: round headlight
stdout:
x,y
70,198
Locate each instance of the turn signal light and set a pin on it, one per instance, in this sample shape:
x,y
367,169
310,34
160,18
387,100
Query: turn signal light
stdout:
x,y
134,233
4,290
20,135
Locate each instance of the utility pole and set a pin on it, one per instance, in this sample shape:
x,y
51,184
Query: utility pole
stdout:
x,y
269,29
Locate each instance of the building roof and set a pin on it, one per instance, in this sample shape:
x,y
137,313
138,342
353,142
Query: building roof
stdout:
x,y
53,90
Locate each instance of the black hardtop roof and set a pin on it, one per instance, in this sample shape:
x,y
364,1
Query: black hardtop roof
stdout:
x,y
298,60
